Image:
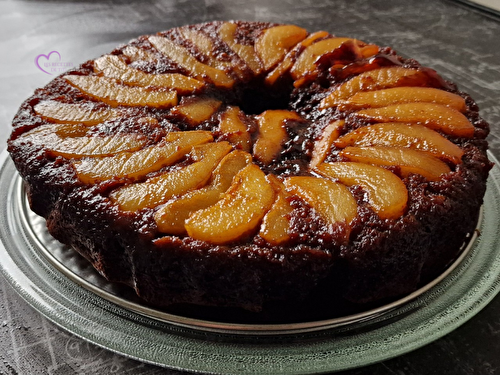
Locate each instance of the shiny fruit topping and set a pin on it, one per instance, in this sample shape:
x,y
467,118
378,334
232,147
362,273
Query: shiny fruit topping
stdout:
x,y
376,79
171,217
139,54
434,116
276,222
323,145
234,130
399,95
275,42
238,213
306,62
182,57
113,67
112,93
332,201
287,63
409,161
387,194
227,33
196,110
272,133
157,190
135,165
397,134
79,113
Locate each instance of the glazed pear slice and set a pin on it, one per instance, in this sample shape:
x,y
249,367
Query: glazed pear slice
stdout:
x,y
323,145
170,218
276,223
434,116
227,33
196,111
139,54
272,134
78,113
113,67
53,133
376,79
409,161
79,147
159,189
306,62
332,201
135,165
387,194
398,95
397,134
184,59
234,130
110,92
238,213
287,63
275,42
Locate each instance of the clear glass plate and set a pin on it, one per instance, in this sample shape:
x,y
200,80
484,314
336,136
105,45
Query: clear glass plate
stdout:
x,y
94,316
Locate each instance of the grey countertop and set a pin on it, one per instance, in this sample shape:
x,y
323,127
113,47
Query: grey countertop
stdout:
x,y
461,43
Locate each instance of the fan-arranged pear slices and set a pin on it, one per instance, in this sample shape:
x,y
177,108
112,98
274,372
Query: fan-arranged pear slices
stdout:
x,y
135,165
272,134
113,67
238,213
275,42
323,145
234,130
111,92
387,194
171,217
196,110
184,59
79,113
157,190
375,79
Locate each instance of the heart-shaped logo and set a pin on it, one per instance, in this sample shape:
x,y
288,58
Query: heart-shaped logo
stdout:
x,y
47,64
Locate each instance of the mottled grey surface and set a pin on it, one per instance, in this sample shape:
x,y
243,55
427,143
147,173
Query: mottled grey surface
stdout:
x,y
460,43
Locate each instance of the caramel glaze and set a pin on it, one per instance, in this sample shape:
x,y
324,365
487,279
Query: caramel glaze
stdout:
x,y
251,274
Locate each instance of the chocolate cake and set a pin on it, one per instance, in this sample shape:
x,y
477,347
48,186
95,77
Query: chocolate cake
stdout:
x,y
252,165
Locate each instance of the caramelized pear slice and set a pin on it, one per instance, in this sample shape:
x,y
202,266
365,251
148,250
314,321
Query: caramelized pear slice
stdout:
x,y
409,161
159,189
238,213
272,133
171,217
113,67
276,222
234,129
332,201
139,54
79,147
306,62
323,145
397,134
184,59
53,133
398,95
198,110
110,92
247,53
434,116
387,194
394,76
135,165
79,113
287,63
275,42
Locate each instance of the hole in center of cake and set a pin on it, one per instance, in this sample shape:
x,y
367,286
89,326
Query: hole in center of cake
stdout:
x,y
257,100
